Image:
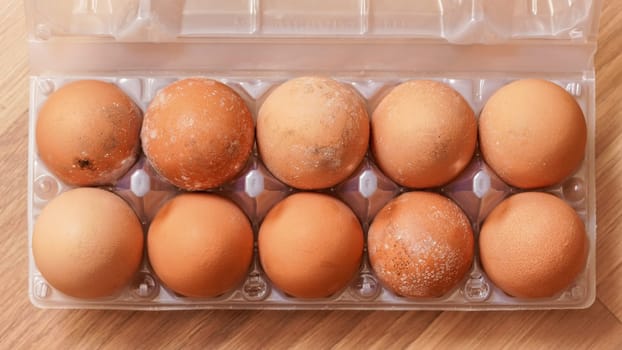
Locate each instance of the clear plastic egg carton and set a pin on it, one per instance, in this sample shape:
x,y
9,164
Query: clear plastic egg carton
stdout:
x,y
477,190
252,46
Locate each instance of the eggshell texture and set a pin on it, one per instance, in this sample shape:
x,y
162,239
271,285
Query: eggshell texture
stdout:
x,y
423,134
310,245
532,133
420,245
87,133
533,245
313,132
200,245
87,243
198,133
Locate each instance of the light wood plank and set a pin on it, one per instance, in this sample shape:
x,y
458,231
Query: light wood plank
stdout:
x,y
561,329
608,150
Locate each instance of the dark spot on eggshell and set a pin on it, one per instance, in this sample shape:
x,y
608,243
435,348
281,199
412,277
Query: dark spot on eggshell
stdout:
x,y
84,163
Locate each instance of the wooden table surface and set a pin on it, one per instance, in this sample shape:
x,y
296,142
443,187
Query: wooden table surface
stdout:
x,y
24,326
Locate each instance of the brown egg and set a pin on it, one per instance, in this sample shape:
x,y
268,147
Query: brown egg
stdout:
x,y
423,134
198,133
310,245
420,245
313,132
87,243
200,245
532,133
533,245
87,133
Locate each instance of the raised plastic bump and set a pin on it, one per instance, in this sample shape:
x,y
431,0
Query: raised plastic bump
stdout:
x,y
253,183
140,183
145,286
46,86
46,187
366,287
255,287
41,289
481,184
368,183
573,190
476,289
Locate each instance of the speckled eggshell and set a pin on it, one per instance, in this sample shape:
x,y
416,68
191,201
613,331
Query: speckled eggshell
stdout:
x,y
313,132
87,133
200,245
533,245
198,133
87,243
310,245
532,133
423,134
420,245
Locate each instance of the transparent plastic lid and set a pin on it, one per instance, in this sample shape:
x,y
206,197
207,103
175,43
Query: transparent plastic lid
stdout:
x,y
455,21
200,36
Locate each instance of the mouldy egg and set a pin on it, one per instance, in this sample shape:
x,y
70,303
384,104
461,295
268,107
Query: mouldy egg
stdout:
x,y
533,245
87,133
420,245
87,243
310,245
200,245
198,133
313,132
423,134
532,133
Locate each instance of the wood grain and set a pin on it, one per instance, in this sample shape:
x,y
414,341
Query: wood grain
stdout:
x,y
24,327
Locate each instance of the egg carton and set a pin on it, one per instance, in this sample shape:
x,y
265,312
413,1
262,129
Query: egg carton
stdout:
x,y
477,190
252,46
